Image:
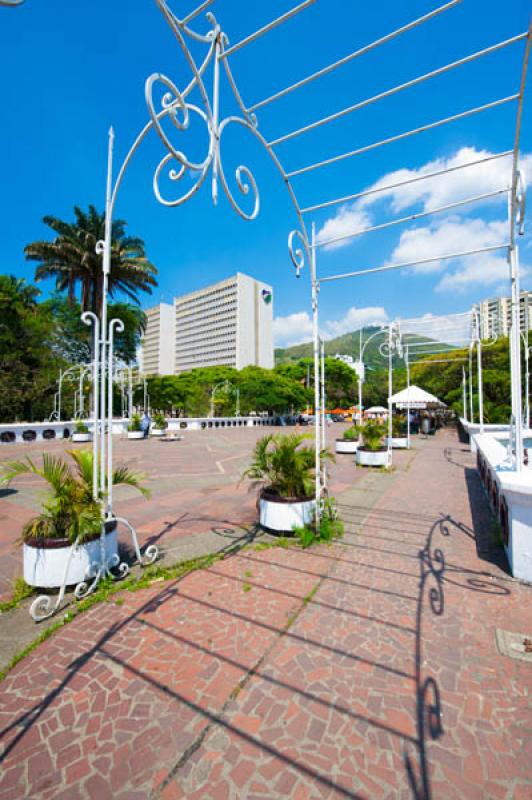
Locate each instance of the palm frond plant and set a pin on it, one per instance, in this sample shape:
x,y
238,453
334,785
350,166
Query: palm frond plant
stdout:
x,y
159,421
350,434
135,425
70,511
372,434
81,427
399,426
281,466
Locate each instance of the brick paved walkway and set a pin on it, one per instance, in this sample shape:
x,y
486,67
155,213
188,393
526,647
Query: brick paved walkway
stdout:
x,y
364,670
196,507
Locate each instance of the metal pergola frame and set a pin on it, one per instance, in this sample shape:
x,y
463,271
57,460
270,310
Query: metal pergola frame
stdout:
x,y
177,108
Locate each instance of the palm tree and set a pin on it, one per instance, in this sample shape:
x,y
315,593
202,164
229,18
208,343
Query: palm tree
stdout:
x,y
70,511
71,259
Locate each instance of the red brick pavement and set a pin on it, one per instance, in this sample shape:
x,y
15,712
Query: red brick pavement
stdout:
x,y
364,670
194,485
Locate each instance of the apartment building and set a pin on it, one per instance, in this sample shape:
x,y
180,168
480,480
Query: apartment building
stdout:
x,y
496,315
227,323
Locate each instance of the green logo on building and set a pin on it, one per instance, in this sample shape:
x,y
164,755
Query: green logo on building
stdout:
x,y
266,296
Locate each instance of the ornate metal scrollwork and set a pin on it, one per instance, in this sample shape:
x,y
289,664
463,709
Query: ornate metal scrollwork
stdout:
x,y
298,250
175,106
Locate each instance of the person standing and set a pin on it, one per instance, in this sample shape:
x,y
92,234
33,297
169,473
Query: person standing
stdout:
x,y
145,424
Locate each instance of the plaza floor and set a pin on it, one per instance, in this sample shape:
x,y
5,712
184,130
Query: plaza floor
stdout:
x,y
367,669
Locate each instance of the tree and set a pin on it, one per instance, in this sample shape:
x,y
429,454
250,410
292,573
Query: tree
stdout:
x,y
28,363
71,259
73,339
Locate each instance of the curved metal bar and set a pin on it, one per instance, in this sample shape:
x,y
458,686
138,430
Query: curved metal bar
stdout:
x,y
266,28
412,217
118,326
152,551
90,318
360,52
146,129
517,138
389,140
399,184
396,89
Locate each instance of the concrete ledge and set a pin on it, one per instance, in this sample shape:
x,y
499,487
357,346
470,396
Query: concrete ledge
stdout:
x,y
510,496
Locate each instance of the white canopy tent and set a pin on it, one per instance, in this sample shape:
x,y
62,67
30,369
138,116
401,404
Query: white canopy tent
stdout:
x,y
416,398
376,411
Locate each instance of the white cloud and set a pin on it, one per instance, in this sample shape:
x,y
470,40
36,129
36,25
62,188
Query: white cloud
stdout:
x,y
453,328
455,235
451,187
293,329
430,193
297,328
354,319
349,219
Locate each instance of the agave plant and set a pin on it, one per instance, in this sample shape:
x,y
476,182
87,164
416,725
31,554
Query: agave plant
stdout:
x,y
372,434
70,511
280,464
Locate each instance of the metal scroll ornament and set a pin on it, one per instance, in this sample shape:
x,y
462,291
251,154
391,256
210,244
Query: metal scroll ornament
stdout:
x,y
176,108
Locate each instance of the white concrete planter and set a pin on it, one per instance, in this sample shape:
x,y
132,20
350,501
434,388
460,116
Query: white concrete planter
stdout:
x,y
45,566
157,431
82,437
398,442
346,446
279,515
372,458
135,434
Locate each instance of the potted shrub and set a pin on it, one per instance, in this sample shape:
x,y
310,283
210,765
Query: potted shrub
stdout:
x,y
349,441
372,452
159,425
284,471
399,433
81,432
134,429
69,514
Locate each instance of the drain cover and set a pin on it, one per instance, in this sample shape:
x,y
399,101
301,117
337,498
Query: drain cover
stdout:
x,y
514,645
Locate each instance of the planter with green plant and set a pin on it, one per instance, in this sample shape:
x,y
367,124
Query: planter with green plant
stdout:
x,y
62,543
81,432
284,472
399,438
372,452
134,429
349,441
159,425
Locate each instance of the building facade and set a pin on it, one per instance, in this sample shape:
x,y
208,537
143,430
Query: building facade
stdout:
x,y
157,352
228,323
496,315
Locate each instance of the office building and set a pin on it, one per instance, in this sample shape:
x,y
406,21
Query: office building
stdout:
x,y
228,323
496,315
157,352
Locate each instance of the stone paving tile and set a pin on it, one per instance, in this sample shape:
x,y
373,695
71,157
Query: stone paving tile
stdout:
x,y
194,484
366,669
348,711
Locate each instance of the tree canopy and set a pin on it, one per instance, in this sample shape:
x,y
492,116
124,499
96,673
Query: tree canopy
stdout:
x,y
71,259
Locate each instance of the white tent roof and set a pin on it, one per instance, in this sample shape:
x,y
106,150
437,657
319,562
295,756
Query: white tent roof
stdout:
x,y
376,410
415,397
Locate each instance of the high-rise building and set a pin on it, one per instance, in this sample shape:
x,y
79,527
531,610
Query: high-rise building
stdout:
x,y
157,353
227,323
496,315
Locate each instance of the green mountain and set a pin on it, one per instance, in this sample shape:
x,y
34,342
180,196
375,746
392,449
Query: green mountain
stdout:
x,y
349,344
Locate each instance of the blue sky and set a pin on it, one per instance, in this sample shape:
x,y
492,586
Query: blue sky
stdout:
x,y
70,70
